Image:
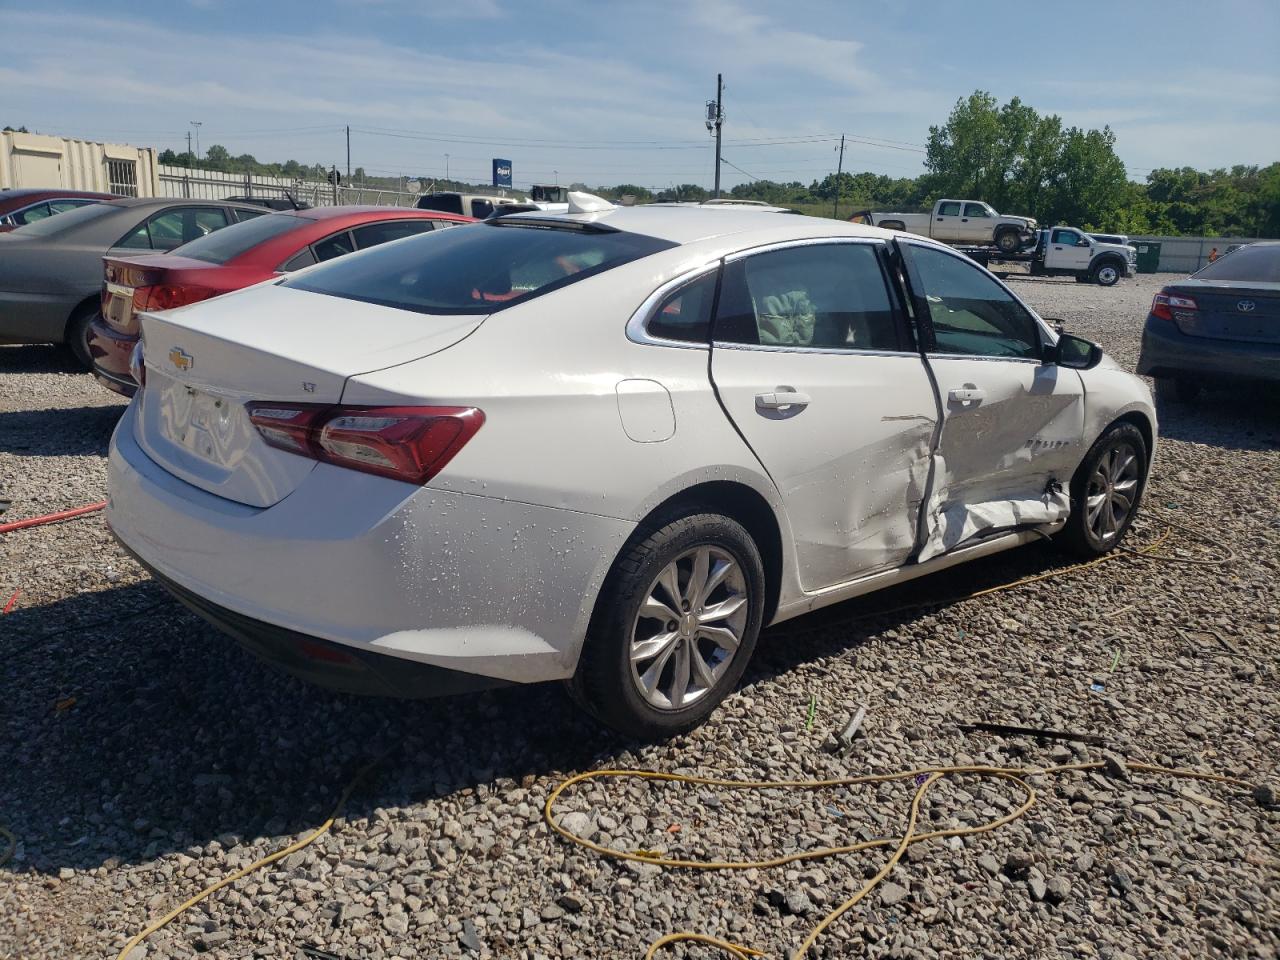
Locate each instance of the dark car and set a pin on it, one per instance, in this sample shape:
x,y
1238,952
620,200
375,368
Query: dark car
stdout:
x,y
20,207
51,270
237,257
1220,325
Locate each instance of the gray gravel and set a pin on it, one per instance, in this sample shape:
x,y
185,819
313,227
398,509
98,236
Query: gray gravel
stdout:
x,y
147,757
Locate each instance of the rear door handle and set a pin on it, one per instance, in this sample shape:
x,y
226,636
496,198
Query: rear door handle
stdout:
x,y
966,394
782,398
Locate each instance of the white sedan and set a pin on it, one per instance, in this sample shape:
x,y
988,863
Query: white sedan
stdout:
x,y
605,447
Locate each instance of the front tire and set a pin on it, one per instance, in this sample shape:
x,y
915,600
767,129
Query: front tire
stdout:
x,y
1106,491
1106,274
674,626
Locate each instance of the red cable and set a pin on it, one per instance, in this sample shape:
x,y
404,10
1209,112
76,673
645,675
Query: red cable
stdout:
x,y
12,601
52,517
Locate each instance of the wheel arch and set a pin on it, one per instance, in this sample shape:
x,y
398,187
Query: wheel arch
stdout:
x,y
1145,427
739,503
88,303
1104,258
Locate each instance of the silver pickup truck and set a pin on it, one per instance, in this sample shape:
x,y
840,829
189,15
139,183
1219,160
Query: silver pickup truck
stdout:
x,y
959,221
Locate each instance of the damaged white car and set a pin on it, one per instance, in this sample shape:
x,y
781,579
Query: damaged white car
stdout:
x,y
605,447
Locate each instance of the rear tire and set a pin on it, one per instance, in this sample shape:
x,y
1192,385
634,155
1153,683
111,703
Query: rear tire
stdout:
x,y
655,665
1008,241
1177,390
1106,492
76,337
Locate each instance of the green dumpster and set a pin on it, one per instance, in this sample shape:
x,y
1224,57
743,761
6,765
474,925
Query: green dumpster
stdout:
x,y
1148,255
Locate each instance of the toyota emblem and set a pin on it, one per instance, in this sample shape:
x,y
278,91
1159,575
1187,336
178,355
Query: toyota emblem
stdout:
x,y
1246,306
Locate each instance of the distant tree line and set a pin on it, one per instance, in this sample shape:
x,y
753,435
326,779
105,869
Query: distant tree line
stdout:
x,y
1012,157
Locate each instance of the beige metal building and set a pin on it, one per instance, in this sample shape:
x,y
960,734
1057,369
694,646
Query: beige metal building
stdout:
x,y
35,160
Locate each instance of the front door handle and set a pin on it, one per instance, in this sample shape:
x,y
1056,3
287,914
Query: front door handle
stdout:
x,y
966,394
781,398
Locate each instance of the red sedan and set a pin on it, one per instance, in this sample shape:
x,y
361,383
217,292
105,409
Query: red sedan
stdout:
x,y
232,258
20,207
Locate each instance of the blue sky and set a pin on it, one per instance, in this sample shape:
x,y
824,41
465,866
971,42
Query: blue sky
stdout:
x,y
609,93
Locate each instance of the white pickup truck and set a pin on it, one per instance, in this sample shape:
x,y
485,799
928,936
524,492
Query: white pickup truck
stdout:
x,y
959,221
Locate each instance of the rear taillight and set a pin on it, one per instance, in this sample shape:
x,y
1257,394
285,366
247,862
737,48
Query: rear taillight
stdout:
x,y
166,296
412,444
1166,305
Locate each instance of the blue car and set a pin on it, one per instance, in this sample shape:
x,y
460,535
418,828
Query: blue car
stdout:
x,y
1219,326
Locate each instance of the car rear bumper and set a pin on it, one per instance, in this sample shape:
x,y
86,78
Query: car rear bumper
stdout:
x,y
110,351
1168,352
469,583
324,663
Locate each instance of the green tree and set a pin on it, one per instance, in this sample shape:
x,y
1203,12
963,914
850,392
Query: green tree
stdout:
x,y
217,157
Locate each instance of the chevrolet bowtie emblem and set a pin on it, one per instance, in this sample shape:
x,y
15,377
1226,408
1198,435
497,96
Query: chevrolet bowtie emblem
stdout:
x,y
181,359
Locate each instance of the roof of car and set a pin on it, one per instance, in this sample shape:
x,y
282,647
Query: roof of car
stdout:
x,y
17,192
328,213
176,201
683,225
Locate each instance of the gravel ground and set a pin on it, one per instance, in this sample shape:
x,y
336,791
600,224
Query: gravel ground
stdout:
x,y
147,757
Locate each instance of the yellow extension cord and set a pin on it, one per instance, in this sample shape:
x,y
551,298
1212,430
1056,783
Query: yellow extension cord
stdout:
x,y
932,775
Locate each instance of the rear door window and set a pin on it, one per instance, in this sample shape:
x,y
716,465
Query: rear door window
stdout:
x,y
822,296
243,214
949,209
478,268
481,208
373,234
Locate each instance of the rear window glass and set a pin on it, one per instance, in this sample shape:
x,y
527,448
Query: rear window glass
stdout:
x,y
479,268
222,245
1257,262
444,202
67,221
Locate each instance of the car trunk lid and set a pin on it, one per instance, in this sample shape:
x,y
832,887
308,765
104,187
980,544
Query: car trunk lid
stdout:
x,y
206,362
1230,310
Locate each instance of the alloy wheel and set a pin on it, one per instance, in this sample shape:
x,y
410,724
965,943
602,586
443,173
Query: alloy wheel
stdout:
x,y
689,627
1113,491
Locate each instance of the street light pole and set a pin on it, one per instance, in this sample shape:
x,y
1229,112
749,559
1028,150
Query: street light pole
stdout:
x,y
446,167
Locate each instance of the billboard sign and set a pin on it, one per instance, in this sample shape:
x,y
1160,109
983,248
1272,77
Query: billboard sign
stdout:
x,y
501,172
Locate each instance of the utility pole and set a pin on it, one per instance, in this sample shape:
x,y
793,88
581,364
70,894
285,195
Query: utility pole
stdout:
x,y
197,124
835,212
715,119
446,168
189,153
348,153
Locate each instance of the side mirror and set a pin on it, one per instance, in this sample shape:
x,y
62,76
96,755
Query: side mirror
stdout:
x,y
1074,353
1084,242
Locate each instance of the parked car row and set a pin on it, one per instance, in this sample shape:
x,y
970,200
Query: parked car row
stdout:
x,y
266,247
20,207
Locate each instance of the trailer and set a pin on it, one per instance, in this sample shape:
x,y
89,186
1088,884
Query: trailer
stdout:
x,y
1062,251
